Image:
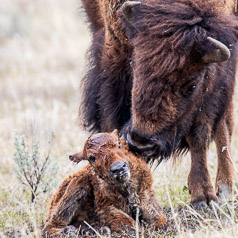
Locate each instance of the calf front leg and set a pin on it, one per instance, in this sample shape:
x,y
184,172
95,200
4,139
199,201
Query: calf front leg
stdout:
x,y
152,214
63,212
115,219
150,210
199,182
226,175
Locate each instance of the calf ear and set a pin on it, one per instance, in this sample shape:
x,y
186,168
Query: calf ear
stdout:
x,y
115,132
76,158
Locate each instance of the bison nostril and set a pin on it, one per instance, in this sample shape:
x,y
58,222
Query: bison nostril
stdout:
x,y
140,148
124,165
128,138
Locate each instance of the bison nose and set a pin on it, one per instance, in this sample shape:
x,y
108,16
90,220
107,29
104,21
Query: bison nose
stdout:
x,y
118,166
139,148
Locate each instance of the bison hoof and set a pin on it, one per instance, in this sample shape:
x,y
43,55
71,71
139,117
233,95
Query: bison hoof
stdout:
x,y
224,191
200,206
214,206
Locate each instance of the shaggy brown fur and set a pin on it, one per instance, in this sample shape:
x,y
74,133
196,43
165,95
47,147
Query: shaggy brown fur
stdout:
x,y
107,85
184,102
107,192
178,101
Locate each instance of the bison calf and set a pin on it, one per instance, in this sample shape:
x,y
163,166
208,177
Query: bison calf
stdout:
x,y
107,192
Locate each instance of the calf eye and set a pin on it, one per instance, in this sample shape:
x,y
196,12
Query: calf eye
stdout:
x,y
92,158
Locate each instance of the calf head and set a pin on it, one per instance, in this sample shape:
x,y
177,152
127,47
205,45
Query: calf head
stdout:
x,y
175,44
108,157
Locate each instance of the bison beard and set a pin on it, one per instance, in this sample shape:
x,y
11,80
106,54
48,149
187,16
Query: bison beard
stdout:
x,y
180,81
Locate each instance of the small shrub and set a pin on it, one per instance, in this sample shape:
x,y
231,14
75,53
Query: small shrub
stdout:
x,y
35,173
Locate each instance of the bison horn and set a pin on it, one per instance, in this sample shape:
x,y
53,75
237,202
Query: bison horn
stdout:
x,y
127,8
219,54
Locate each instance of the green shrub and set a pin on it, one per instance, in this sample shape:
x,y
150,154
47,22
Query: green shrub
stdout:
x,y
34,172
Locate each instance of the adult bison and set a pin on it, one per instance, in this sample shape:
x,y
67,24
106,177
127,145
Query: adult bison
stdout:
x,y
163,72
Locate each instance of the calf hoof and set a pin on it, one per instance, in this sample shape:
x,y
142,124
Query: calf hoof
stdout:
x,y
225,192
105,230
89,231
160,223
70,230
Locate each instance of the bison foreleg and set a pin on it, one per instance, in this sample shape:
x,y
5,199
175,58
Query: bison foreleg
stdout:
x,y
199,182
225,173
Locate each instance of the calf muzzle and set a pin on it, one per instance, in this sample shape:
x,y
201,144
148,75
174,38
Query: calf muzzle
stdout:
x,y
120,171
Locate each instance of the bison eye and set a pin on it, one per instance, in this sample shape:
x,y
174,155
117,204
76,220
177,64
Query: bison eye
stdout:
x,y
92,158
187,91
191,89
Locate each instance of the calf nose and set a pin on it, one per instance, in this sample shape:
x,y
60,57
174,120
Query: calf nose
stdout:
x,y
118,166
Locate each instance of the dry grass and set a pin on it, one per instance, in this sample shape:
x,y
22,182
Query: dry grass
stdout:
x,y
42,59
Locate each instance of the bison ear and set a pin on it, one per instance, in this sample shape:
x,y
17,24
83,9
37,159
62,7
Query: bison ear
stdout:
x,y
127,8
218,52
127,12
76,158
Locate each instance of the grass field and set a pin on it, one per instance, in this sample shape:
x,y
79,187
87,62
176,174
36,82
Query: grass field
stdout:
x,y
43,46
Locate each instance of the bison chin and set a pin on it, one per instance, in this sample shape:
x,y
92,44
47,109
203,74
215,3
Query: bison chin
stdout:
x,y
150,147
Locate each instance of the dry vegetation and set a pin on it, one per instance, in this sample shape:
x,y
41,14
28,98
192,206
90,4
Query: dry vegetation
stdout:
x,y
42,59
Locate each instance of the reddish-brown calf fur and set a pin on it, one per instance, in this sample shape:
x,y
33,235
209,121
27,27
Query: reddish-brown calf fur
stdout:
x,y
99,195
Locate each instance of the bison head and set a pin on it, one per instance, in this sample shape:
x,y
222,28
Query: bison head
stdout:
x,y
106,157
176,48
